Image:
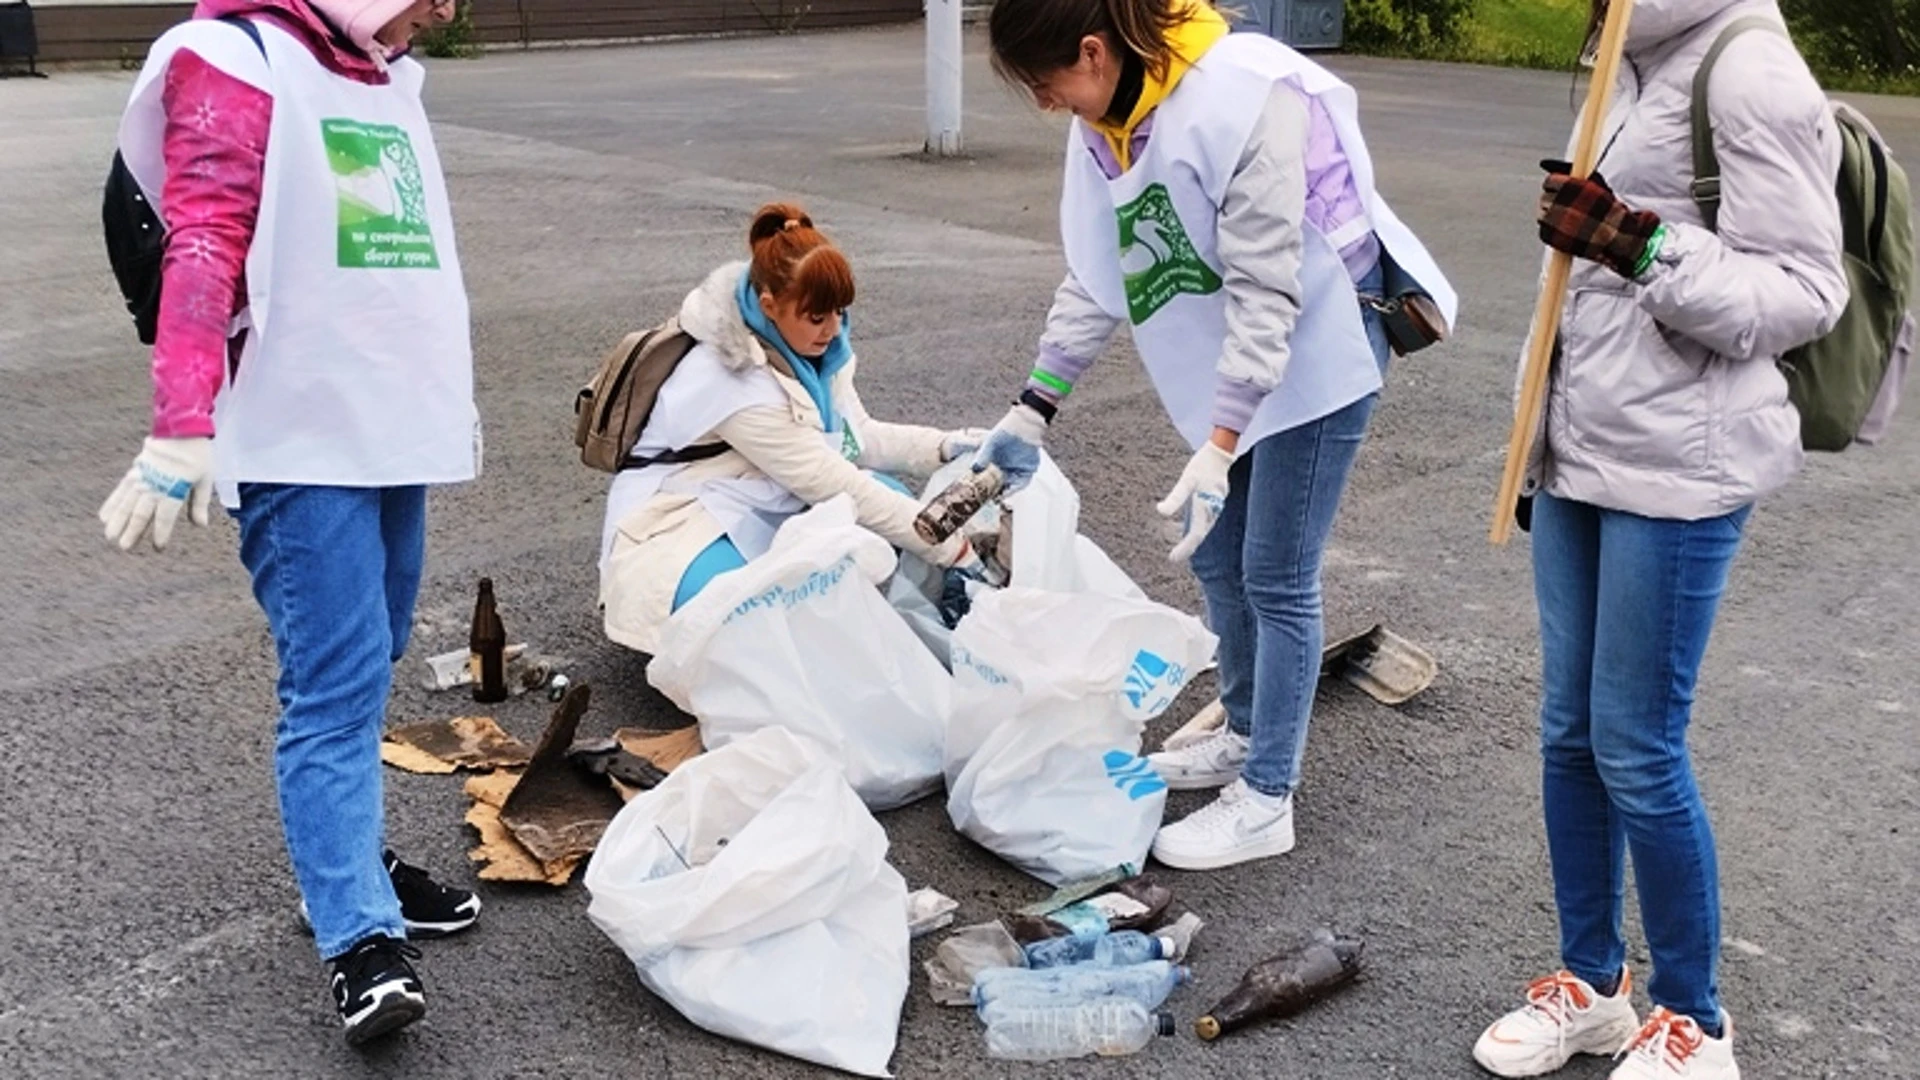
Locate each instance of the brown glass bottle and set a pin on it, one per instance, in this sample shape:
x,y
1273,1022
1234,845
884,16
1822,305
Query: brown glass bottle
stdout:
x,y
1284,985
956,505
487,642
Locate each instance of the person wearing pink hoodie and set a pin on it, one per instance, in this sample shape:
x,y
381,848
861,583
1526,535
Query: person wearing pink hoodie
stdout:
x,y
312,365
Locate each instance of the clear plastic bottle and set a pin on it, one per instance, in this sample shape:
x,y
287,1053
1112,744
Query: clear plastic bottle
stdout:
x,y
1109,1027
1107,950
997,990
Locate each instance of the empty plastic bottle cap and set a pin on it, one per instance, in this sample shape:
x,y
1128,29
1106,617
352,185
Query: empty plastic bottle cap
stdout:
x,y
1163,1023
1168,947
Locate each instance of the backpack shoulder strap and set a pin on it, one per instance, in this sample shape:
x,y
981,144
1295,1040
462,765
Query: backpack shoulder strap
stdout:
x,y
246,27
1706,164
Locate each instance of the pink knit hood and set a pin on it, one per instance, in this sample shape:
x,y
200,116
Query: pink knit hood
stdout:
x,y
338,32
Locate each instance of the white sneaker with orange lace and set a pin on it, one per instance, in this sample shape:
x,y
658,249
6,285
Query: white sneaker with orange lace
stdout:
x,y
1563,1016
1670,1047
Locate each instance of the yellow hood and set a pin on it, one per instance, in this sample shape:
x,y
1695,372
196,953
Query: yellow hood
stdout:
x,y
1189,41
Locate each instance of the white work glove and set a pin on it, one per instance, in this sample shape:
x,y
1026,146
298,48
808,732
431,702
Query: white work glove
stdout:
x,y
166,474
1202,493
964,441
1013,446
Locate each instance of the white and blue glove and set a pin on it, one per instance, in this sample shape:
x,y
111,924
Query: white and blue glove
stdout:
x,y
1202,494
169,474
1013,446
957,443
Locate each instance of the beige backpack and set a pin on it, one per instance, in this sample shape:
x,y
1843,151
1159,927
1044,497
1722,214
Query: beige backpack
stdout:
x,y
612,409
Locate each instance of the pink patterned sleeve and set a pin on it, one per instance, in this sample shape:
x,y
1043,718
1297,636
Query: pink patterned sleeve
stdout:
x,y
215,147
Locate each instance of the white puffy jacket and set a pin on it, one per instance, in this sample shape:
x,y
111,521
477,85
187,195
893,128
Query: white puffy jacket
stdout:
x,y
1666,400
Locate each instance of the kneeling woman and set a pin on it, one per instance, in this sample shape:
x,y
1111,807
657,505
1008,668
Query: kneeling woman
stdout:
x,y
756,424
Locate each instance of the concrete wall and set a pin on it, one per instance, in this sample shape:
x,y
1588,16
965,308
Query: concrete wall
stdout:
x,y
116,29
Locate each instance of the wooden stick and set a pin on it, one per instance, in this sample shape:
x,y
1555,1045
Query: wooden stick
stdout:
x,y
1553,292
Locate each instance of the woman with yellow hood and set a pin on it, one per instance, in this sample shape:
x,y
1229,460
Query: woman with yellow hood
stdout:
x,y
1219,200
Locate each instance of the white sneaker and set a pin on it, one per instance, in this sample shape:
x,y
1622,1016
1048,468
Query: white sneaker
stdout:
x,y
1563,1016
1670,1047
1239,826
1213,761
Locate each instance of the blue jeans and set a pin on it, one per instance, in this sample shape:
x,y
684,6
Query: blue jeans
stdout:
x,y
1626,607
1259,570
336,571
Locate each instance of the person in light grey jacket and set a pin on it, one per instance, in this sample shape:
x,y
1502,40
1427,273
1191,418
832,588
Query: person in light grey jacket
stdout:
x,y
1666,419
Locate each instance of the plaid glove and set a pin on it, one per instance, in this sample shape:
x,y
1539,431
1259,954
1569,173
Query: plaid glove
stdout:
x,y
1585,219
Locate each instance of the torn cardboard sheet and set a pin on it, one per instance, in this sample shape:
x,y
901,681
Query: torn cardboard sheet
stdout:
x,y
442,746
665,750
556,811
500,856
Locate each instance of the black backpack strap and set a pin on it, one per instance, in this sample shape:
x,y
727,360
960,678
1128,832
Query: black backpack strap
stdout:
x,y
683,456
1706,164
246,27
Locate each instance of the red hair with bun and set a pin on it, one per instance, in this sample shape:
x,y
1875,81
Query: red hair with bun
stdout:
x,y
796,264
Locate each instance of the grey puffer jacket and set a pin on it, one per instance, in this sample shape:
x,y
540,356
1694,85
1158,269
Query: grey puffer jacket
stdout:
x,y
1665,400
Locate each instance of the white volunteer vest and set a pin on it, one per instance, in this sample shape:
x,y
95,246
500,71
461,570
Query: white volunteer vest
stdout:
x,y
1167,283
358,368
702,393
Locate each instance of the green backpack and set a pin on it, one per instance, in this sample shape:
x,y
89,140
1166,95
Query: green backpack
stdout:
x,y
1846,384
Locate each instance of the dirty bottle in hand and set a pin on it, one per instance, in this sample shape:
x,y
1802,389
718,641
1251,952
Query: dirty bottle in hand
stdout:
x,y
956,506
487,645
1109,1027
1285,985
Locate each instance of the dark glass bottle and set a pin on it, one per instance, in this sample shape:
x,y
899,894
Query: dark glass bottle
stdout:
x,y
1284,985
487,643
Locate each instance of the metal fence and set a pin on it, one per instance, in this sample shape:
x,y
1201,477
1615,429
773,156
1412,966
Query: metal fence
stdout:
x,y
123,31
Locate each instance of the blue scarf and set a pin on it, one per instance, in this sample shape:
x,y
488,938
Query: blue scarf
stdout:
x,y
816,376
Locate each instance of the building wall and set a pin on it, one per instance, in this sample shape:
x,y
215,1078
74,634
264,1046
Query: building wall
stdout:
x,y
122,31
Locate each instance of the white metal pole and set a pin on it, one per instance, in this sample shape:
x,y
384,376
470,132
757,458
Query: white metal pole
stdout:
x,y
943,77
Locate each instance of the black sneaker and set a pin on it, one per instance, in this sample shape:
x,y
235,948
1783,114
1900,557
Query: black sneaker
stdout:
x,y
375,988
430,909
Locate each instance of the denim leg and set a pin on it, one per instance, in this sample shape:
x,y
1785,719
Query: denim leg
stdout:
x,y
318,559
1586,841
1216,562
403,532
1293,491
1660,587
1376,324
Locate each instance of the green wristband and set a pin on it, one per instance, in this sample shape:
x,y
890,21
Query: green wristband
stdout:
x,y
1052,382
1654,243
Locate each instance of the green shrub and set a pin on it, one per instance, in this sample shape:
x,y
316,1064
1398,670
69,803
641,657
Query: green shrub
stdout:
x,y
1874,38
453,38
1407,26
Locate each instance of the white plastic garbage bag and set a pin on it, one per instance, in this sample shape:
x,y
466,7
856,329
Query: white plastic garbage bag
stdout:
x,y
914,591
1048,550
752,892
1051,694
801,637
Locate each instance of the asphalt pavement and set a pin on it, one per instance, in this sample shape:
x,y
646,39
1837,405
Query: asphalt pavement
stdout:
x,y
147,916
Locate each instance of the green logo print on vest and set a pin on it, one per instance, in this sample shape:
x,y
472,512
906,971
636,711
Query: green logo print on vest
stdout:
x,y
383,202
849,443
1157,260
